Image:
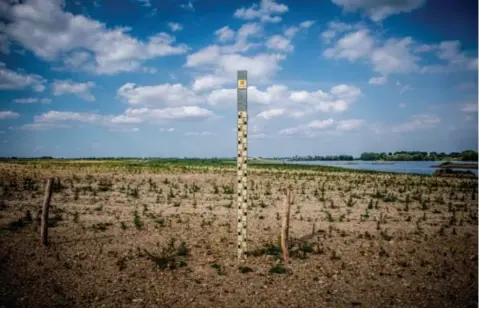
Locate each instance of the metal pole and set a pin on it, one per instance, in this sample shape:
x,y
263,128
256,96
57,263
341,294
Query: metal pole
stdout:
x,y
242,187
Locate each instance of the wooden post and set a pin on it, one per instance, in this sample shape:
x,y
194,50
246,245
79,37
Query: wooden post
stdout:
x,y
46,206
285,227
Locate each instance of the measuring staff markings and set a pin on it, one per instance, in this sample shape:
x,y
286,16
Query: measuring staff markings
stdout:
x,y
242,158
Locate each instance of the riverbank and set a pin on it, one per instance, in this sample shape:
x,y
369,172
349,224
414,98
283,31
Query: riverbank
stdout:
x,y
453,165
119,230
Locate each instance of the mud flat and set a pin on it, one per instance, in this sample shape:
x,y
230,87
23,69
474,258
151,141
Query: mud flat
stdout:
x,y
456,165
123,237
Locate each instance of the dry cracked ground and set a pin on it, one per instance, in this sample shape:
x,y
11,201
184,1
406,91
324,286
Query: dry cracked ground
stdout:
x,y
158,238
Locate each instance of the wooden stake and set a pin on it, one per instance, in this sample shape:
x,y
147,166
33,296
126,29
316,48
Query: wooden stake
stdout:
x,y
285,227
46,206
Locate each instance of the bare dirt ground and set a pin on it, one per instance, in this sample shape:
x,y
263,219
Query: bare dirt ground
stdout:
x,y
168,239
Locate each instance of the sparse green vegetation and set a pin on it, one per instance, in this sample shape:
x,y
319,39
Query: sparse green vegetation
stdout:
x,y
131,215
137,220
277,269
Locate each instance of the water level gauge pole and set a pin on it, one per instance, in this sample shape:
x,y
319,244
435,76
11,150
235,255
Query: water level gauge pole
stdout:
x,y
242,181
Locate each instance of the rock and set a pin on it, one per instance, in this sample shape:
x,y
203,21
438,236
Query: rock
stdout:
x,y
211,260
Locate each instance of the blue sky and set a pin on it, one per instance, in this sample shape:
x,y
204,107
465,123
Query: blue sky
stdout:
x,y
158,77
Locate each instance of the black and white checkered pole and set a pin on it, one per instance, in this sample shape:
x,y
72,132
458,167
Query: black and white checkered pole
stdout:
x,y
242,187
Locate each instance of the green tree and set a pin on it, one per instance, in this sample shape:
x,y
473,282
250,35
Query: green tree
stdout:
x,y
469,155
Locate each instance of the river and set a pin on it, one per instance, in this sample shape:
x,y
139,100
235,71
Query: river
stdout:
x,y
409,167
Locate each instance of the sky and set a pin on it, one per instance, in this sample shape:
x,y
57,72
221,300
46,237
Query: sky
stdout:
x,y
157,78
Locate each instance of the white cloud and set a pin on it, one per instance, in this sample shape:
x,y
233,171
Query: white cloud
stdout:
x,y
175,26
145,3
208,82
424,48
206,55
4,44
455,60
469,108
258,136
77,59
32,100
314,127
266,11
124,130
11,80
80,42
307,24
170,113
346,92
417,122
188,6
352,46
167,130
241,44
271,113
298,103
378,10
82,90
256,96
163,94
394,56
149,70
42,126
203,133
224,60
25,100
290,32
380,80
279,42
338,99
306,96
60,119
465,86
308,128
8,115
222,97
403,88
248,30
54,116
260,66
124,119
225,34
320,124
349,125
336,28
402,105
276,93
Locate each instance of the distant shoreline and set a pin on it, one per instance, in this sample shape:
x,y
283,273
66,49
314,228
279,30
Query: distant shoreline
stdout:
x,y
466,155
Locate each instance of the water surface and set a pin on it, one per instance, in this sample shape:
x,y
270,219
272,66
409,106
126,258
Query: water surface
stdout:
x,y
410,167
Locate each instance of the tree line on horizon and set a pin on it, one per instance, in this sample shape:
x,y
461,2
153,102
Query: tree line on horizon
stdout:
x,y
467,155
